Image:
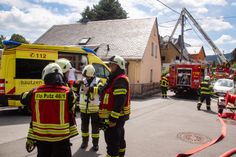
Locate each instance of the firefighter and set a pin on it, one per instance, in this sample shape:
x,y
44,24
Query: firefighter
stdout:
x,y
67,70
52,122
115,107
164,86
205,93
89,106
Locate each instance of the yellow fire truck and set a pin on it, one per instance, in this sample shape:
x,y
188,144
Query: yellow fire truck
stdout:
x,y
22,65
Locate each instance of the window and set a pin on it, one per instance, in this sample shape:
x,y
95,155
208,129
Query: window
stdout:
x,y
101,71
151,75
30,68
79,61
163,58
152,49
84,41
155,51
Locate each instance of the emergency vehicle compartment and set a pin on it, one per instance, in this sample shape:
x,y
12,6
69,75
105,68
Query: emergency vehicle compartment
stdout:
x,y
184,76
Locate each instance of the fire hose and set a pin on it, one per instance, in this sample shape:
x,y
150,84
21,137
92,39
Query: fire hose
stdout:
x,y
229,153
198,149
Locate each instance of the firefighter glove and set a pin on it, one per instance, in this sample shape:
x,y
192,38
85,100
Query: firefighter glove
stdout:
x,y
30,145
104,124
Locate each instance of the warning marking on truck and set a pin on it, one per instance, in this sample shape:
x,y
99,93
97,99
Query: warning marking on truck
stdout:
x,y
30,82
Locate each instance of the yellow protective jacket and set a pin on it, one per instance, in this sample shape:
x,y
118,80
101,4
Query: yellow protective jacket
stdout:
x,y
164,82
89,100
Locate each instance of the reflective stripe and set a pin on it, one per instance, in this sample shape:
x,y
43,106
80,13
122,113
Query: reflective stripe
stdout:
x,y
105,99
112,156
125,112
95,90
74,96
50,131
95,135
122,150
74,88
32,135
85,134
24,95
62,112
92,108
205,88
164,83
208,93
50,126
37,111
91,96
103,113
115,114
73,130
49,139
120,91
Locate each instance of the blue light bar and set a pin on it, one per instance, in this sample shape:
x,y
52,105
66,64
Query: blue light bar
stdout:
x,y
89,50
11,42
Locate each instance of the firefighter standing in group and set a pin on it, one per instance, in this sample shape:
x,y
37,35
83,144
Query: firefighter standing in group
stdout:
x,y
115,107
52,121
89,106
164,86
205,93
67,70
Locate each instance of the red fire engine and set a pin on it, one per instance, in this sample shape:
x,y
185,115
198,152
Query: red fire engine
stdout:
x,y
222,71
186,77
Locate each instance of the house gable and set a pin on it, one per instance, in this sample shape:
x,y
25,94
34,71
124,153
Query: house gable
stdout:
x,y
197,53
126,37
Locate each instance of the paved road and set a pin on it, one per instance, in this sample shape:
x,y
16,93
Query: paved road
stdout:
x,y
153,130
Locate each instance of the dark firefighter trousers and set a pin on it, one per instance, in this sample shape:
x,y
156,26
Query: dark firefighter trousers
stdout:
x,y
85,119
115,139
206,97
164,92
54,149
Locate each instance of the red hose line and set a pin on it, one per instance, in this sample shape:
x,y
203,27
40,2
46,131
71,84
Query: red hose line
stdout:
x,y
198,149
229,153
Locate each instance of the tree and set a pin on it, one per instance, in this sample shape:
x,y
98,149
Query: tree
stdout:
x,y
105,10
1,39
88,14
19,38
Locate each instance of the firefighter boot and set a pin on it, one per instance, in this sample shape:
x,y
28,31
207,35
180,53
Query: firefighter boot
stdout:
x,y
208,108
199,106
84,143
95,144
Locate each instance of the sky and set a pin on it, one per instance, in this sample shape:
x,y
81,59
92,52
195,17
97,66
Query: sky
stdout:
x,y
32,18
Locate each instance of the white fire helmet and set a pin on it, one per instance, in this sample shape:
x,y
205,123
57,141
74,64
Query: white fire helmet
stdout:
x,y
88,71
64,64
118,61
50,69
207,78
